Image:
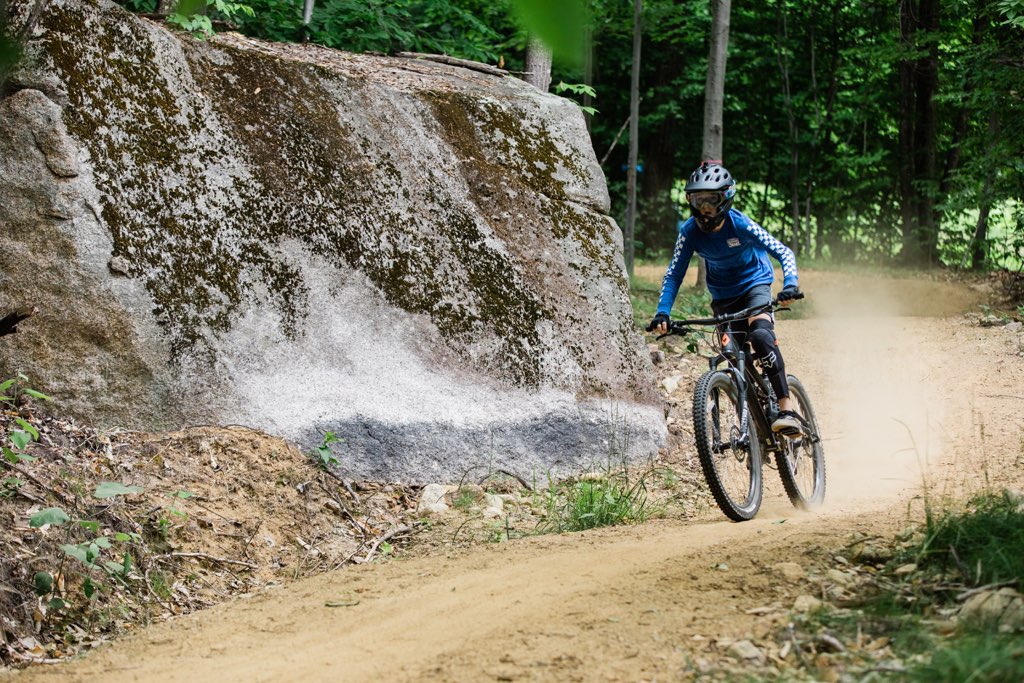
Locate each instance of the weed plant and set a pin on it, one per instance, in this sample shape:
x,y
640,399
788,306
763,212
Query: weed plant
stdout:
x,y
984,543
978,658
582,505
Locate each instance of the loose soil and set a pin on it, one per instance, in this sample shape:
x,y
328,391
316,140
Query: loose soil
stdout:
x,y
916,399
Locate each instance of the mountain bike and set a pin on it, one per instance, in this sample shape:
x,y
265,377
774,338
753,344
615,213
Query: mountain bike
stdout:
x,y
733,409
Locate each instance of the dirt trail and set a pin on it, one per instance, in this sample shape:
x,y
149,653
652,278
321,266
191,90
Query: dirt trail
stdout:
x,y
903,399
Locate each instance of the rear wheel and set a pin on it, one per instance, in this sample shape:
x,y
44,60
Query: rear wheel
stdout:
x,y
729,456
802,461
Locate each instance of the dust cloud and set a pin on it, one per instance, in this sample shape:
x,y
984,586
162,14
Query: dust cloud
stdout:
x,y
871,355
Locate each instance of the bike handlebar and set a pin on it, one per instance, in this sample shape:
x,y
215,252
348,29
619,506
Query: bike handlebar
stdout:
x,y
682,326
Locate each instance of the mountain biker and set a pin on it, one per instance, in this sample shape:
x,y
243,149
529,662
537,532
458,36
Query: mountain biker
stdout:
x,y
739,274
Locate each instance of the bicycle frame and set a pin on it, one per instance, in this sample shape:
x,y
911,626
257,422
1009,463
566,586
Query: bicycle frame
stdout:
x,y
755,393
747,378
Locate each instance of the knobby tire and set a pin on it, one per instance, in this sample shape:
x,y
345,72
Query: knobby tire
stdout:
x,y
802,463
715,404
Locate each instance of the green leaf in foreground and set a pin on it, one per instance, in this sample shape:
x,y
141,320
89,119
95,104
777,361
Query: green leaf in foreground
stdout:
x,y
37,394
28,427
54,516
109,489
44,583
20,438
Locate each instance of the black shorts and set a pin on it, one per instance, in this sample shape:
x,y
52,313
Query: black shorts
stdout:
x,y
758,295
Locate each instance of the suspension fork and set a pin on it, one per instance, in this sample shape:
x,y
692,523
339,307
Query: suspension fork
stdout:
x,y
737,367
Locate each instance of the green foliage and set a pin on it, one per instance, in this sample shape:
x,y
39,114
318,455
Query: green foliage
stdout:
x,y
559,25
464,499
986,658
15,441
984,543
53,516
578,89
462,29
196,16
1013,10
88,553
110,489
9,486
323,456
12,389
582,505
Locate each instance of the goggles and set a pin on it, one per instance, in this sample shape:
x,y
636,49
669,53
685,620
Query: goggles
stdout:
x,y
706,200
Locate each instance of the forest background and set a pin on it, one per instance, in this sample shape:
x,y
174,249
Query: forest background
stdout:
x,y
859,130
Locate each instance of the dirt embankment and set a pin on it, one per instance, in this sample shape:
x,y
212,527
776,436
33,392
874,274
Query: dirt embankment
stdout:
x,y
911,405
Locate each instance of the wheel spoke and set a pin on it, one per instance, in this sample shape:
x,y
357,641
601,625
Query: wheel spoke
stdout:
x,y
731,465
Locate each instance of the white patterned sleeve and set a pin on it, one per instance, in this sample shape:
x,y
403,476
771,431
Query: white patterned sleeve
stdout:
x,y
675,273
782,253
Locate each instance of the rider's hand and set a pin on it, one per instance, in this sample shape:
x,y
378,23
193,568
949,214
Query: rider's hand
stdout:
x,y
788,293
659,324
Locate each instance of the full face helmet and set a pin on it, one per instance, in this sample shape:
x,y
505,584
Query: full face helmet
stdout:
x,y
709,192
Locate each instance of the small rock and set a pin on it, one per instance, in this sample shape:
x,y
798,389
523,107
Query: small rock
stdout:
x,y
1015,326
746,650
840,577
671,383
491,513
658,357
432,500
902,570
118,265
991,321
790,571
807,603
1002,610
494,502
875,553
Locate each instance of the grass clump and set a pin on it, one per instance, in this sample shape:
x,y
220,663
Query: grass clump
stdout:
x,y
984,543
592,503
987,658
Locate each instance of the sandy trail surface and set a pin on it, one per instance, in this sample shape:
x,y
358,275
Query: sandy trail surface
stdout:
x,y
909,394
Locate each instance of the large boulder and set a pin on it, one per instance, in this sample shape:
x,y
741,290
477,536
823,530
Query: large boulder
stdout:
x,y
414,256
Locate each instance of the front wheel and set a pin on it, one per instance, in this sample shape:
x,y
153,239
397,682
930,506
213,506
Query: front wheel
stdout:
x,y
802,461
729,454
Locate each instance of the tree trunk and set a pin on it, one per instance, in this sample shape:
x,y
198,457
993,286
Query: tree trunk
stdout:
x,y
538,64
657,214
714,86
979,250
782,36
714,97
925,133
634,133
656,211
908,195
952,161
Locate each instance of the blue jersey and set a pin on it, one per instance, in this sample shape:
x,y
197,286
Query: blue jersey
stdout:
x,y
736,255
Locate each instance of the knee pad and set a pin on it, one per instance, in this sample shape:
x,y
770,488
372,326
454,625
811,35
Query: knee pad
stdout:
x,y
766,351
763,341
